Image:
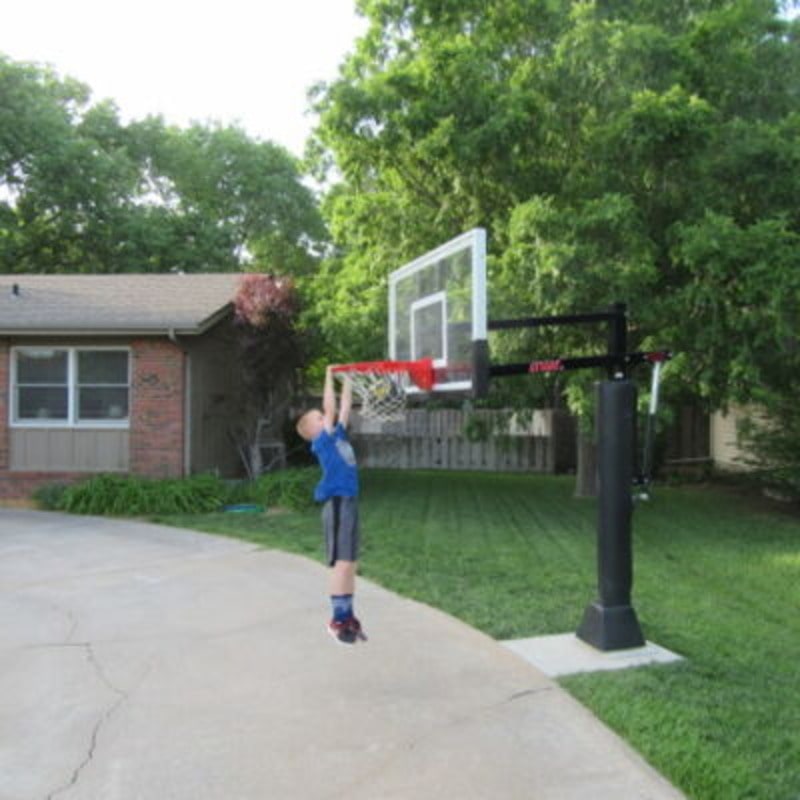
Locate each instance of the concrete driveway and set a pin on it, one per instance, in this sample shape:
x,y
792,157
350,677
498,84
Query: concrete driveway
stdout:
x,y
140,662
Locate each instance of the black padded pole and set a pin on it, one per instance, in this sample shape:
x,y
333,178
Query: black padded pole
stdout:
x,y
618,341
480,368
610,623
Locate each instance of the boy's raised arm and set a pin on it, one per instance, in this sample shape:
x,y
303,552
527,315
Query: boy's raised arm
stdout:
x,y
346,402
329,401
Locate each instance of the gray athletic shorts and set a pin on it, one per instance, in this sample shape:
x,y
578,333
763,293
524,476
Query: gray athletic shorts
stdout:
x,y
341,529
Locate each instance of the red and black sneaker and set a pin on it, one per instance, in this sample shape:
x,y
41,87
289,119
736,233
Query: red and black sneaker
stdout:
x,y
342,632
355,628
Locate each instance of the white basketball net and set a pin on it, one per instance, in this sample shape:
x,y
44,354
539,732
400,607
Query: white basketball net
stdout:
x,y
382,394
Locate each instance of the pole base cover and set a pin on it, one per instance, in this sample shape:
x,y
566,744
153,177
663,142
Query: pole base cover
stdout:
x,y
610,627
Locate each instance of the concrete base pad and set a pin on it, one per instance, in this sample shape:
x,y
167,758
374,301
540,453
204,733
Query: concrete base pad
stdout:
x,y
566,654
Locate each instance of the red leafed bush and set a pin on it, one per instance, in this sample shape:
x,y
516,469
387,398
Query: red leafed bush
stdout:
x,y
270,345
261,299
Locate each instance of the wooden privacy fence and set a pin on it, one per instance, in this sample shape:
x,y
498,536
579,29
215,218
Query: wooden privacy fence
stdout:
x,y
533,441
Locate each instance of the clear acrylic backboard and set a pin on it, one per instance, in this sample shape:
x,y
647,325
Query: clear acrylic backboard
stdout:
x,y
437,309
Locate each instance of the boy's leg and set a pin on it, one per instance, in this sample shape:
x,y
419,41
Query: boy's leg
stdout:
x,y
344,626
343,585
343,577
340,521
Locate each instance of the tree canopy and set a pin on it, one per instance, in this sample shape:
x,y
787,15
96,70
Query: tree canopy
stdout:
x,y
644,151
82,192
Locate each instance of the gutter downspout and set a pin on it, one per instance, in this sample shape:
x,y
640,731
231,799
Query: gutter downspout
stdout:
x,y
187,402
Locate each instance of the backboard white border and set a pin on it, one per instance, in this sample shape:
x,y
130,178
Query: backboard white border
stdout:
x,y
437,298
476,239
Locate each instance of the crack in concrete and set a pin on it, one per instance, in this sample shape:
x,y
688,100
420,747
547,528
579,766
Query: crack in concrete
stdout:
x,y
404,748
72,619
173,636
528,693
71,630
122,696
72,626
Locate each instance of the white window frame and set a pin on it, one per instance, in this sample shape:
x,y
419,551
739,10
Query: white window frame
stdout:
x,y
72,421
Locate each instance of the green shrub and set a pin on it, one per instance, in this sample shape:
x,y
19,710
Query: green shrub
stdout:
x,y
288,488
118,494
772,445
131,496
239,491
50,497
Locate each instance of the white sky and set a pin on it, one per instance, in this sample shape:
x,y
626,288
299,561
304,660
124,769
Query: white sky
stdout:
x,y
245,61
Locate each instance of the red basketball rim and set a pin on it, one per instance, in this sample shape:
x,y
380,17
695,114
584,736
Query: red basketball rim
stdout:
x,y
420,371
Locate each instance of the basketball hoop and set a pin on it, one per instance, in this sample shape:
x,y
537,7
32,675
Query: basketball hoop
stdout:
x,y
382,385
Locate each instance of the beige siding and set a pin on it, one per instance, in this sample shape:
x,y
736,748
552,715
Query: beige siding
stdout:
x,y
725,449
56,450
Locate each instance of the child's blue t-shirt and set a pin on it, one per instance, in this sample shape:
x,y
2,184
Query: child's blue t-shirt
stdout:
x,y
338,461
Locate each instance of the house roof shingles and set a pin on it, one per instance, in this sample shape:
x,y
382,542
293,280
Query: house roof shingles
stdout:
x,y
118,303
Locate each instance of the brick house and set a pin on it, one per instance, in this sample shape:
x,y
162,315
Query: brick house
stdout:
x,y
120,373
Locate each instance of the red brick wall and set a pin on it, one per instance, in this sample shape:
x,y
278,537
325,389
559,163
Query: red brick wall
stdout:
x,y
18,485
157,404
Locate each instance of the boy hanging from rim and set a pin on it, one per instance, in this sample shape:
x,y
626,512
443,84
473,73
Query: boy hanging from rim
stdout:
x,y
338,492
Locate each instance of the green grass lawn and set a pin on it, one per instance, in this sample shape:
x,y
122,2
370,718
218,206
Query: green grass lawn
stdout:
x,y
717,579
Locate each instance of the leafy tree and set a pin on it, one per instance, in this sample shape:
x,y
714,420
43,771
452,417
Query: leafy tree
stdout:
x,y
772,444
80,191
644,151
54,186
430,126
251,189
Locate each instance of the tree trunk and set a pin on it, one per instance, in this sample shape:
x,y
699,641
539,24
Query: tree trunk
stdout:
x,y
256,460
586,479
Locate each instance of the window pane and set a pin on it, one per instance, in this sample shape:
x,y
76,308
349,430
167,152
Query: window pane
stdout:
x,y
103,366
102,403
42,403
42,366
